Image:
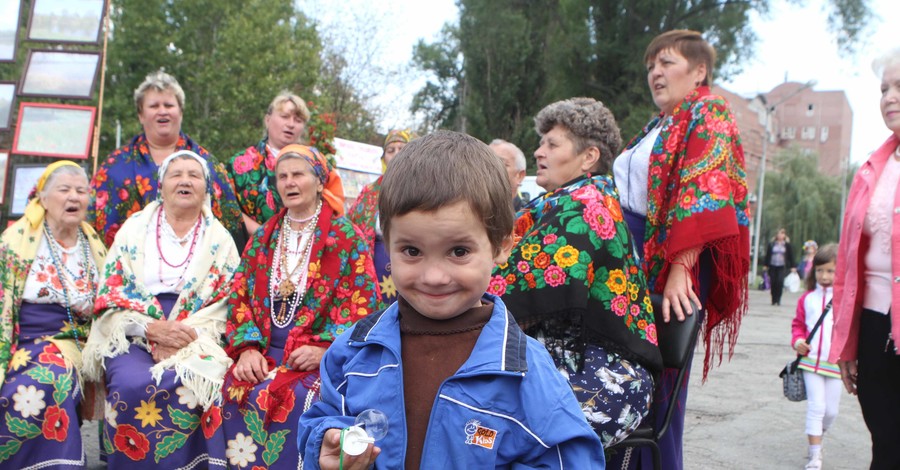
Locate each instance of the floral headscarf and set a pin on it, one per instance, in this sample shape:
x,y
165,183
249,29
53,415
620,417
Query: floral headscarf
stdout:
x,y
164,167
333,194
396,135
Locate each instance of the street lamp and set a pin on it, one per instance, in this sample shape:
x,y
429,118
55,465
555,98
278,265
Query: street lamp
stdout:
x,y
761,183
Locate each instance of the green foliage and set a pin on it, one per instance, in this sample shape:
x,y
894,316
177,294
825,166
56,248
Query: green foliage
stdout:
x,y
274,446
231,57
41,374
184,419
168,445
22,428
800,199
509,59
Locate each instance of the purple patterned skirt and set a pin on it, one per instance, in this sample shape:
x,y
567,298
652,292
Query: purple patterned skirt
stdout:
x,y
39,399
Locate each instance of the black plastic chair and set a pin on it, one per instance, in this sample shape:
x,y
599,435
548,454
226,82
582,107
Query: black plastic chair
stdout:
x,y
676,341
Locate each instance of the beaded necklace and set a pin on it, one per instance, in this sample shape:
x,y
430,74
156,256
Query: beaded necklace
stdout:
x,y
286,288
60,268
184,263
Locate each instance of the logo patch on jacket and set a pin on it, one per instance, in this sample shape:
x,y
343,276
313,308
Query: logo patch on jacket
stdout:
x,y
478,435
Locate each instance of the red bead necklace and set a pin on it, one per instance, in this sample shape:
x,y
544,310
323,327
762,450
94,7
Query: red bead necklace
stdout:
x,y
187,258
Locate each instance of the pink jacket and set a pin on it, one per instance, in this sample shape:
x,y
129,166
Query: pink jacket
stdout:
x,y
850,271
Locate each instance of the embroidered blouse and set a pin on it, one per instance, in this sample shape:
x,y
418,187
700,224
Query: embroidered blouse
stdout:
x,y
43,284
160,277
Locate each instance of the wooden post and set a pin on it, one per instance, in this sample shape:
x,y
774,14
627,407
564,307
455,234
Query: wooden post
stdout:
x,y
95,149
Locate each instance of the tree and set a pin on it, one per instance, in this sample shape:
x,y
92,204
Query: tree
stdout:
x,y
439,102
231,57
519,55
800,199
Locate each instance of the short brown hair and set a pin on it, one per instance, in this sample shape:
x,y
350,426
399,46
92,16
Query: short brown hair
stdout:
x,y
443,168
588,123
691,46
161,82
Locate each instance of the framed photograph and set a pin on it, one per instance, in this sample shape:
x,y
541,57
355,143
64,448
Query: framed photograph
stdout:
x,y
66,21
54,130
4,169
25,176
9,29
60,74
7,96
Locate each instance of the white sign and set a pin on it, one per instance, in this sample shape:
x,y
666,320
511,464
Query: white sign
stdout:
x,y
358,156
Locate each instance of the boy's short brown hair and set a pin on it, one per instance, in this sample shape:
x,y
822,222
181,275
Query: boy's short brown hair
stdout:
x,y
443,168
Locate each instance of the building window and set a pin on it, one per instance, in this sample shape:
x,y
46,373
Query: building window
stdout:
x,y
808,133
810,109
823,134
789,133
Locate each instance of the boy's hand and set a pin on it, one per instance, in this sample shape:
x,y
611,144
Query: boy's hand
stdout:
x,y
330,454
801,347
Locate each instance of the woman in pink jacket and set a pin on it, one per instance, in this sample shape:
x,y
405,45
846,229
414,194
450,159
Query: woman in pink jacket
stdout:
x,y
867,286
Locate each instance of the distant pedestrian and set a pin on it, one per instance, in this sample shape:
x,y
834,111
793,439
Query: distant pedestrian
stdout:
x,y
822,378
779,261
809,252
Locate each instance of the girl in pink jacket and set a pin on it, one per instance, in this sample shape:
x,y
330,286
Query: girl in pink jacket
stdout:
x,y
822,378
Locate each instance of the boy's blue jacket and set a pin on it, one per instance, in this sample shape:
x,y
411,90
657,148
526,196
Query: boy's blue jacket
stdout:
x,y
507,406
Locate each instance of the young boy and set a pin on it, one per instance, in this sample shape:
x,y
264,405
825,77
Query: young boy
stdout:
x,y
460,383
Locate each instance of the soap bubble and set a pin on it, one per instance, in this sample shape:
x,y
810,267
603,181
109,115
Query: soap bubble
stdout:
x,y
374,422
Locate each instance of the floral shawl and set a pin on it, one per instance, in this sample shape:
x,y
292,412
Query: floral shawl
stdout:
x,y
123,300
18,247
253,172
574,274
339,287
697,199
127,181
364,212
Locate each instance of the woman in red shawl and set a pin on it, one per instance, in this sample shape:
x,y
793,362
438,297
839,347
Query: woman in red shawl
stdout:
x,y
304,278
682,187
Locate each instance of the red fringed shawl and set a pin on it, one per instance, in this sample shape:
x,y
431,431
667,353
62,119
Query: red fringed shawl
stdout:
x,y
697,199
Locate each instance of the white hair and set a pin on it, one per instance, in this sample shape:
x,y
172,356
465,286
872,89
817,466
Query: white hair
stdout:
x,y
885,60
519,156
63,170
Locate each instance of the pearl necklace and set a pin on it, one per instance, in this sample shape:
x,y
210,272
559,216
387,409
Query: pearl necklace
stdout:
x,y
57,263
163,225
280,282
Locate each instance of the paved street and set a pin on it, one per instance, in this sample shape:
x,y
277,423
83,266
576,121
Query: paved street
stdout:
x,y
739,419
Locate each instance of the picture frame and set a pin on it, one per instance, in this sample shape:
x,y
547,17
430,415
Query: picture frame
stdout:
x,y
7,98
54,130
25,176
60,74
4,170
66,21
10,12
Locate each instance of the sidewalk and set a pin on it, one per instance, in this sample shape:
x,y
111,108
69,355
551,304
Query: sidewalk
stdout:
x,y
740,419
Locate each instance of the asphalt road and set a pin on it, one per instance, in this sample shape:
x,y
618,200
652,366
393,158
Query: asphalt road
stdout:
x,y
739,418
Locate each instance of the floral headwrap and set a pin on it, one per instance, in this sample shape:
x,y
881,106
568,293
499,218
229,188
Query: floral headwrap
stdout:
x,y
333,194
396,135
34,211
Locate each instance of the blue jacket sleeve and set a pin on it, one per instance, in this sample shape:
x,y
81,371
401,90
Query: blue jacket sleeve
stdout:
x,y
327,413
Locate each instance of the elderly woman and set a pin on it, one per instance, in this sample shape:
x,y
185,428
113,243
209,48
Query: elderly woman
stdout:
x,y
304,278
160,317
126,181
573,279
47,285
866,288
683,190
779,262
253,170
364,214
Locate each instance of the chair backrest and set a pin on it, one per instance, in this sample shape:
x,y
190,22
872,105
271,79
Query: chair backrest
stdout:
x,y
676,338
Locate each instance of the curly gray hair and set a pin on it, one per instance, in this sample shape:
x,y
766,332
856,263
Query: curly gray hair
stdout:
x,y
588,123
888,59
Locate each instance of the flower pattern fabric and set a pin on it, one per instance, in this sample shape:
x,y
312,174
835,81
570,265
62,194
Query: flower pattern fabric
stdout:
x,y
697,199
253,173
364,214
40,387
127,181
574,281
262,419
160,409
